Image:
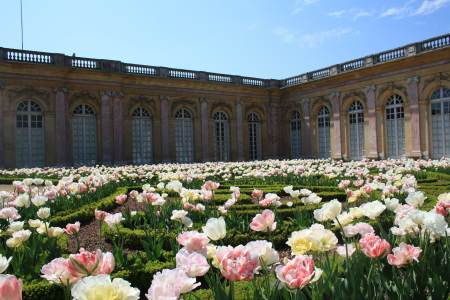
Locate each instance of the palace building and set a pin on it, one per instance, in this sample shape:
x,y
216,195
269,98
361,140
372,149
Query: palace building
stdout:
x,y
60,110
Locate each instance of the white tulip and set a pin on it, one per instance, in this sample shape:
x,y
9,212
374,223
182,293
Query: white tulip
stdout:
x,y
215,228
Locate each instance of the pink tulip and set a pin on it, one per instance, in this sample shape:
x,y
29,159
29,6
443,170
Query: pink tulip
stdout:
x,y
257,194
10,287
170,284
87,263
297,272
121,199
360,228
238,263
72,229
107,264
193,263
193,241
403,254
57,271
100,215
9,214
210,185
443,207
264,221
373,246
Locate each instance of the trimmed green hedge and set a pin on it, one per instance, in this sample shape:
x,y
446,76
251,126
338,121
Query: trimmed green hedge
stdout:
x,y
138,277
86,212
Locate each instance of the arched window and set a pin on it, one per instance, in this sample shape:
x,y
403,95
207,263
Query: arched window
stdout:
x,y
323,132
254,136
296,141
440,122
142,136
356,130
184,136
395,127
84,135
221,136
29,135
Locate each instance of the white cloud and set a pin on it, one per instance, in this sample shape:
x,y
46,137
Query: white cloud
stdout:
x,y
296,11
362,14
353,13
309,2
318,38
311,39
285,35
299,4
429,6
337,14
398,12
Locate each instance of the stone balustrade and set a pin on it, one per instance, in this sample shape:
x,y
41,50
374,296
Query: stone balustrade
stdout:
x,y
35,57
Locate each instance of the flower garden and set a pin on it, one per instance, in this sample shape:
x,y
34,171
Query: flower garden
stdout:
x,y
298,229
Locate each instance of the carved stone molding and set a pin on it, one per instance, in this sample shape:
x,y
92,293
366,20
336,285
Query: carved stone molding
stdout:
x,y
390,87
108,93
414,79
334,95
61,90
370,89
203,100
438,77
85,94
117,94
28,92
354,94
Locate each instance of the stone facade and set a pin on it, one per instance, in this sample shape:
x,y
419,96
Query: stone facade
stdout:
x,y
58,84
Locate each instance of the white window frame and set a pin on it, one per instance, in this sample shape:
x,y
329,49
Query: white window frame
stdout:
x,y
30,149
84,142
221,136
142,136
356,130
184,136
254,136
395,127
440,122
323,133
296,135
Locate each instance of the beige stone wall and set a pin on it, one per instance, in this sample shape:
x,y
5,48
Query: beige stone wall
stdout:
x,y
114,96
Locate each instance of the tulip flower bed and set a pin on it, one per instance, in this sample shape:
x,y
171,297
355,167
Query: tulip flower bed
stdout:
x,y
301,229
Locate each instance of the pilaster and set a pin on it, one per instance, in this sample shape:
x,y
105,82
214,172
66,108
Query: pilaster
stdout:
x,y
413,99
165,155
336,144
2,150
307,131
106,125
118,127
204,122
61,130
239,131
371,146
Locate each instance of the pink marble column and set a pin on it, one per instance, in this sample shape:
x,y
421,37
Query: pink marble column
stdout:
x,y
204,122
372,147
61,110
336,147
306,137
274,128
413,99
118,127
2,150
106,120
239,131
165,155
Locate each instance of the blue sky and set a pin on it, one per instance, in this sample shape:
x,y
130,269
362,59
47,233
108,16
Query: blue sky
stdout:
x,y
261,38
